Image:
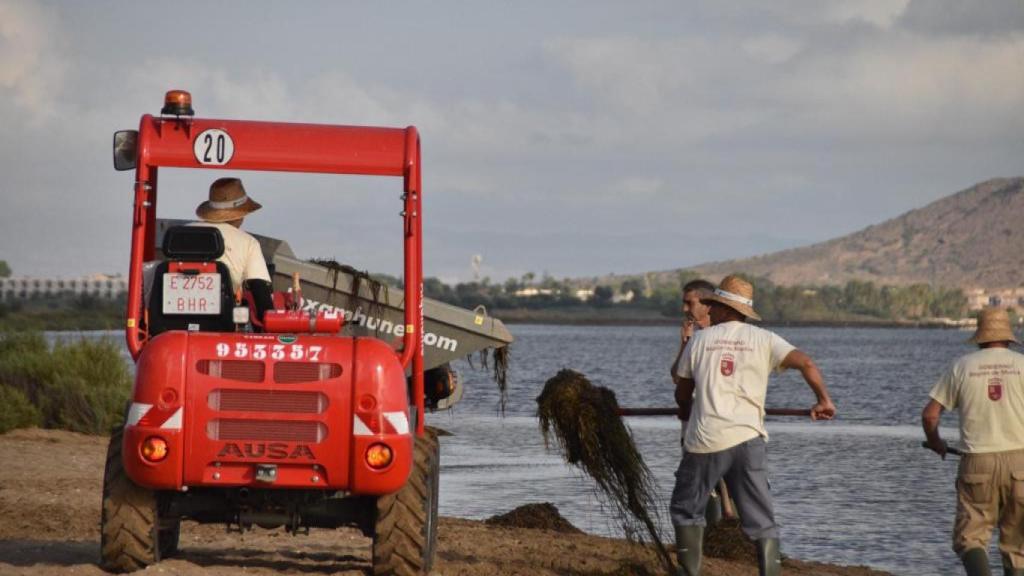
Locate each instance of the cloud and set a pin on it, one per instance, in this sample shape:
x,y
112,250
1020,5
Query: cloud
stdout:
x,y
32,67
879,13
952,17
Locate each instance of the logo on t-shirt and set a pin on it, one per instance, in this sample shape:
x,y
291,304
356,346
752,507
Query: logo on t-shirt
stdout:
x,y
995,389
727,365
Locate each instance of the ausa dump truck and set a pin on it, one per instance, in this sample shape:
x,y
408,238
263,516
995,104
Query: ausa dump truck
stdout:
x,y
310,415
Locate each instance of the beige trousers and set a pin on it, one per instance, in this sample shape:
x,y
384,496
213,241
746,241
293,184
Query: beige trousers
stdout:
x,y
990,492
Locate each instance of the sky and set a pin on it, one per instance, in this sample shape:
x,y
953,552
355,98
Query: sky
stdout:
x,y
562,138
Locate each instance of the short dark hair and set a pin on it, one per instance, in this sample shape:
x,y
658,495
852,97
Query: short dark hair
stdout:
x,y
700,285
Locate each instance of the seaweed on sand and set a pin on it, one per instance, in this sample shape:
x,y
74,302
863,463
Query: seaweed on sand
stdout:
x,y
584,419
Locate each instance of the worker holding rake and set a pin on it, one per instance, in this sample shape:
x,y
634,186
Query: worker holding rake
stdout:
x,y
986,388
723,379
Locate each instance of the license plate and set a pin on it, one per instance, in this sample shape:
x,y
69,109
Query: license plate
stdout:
x,y
191,293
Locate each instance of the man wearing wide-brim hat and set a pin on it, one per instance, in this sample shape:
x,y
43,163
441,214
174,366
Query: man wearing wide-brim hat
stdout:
x,y
986,388
721,393
225,210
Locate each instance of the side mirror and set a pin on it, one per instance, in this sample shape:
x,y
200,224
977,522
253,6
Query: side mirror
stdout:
x,y
126,146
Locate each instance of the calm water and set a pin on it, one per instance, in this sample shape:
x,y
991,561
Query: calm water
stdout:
x,y
858,490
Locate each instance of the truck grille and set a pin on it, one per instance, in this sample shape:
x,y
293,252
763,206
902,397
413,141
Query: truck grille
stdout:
x,y
286,401
268,430
240,370
298,372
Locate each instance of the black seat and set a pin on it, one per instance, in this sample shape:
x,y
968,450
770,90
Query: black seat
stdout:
x,y
191,254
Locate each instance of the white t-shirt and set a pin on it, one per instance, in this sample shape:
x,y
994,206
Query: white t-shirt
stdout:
x,y
730,364
242,254
987,388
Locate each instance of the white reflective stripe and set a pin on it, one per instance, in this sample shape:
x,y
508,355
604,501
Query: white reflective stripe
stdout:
x,y
359,428
174,422
136,412
399,421
733,297
229,204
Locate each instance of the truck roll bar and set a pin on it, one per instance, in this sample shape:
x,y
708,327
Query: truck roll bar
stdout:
x,y
285,147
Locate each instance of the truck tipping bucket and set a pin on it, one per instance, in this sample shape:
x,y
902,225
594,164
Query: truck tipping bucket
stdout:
x,y
374,309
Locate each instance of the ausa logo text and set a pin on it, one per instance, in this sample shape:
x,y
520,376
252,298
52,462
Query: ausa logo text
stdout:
x,y
275,450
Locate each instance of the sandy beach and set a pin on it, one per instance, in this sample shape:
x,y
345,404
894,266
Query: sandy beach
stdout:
x,y
50,487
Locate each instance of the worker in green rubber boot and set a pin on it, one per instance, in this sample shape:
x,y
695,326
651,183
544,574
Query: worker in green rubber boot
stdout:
x,y
723,379
986,387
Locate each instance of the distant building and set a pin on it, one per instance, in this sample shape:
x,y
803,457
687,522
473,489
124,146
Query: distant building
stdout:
x,y
584,294
978,298
531,292
620,297
96,285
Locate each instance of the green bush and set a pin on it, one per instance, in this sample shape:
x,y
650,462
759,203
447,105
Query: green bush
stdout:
x,y
80,386
17,411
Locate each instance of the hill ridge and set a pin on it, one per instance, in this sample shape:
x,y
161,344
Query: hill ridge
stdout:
x,y
972,238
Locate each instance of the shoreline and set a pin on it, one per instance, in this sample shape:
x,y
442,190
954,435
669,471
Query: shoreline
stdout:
x,y
560,318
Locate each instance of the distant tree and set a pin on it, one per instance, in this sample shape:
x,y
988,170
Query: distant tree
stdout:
x,y
636,286
603,296
5,270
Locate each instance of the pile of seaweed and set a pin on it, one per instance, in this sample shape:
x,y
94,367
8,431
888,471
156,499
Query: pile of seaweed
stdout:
x,y
725,539
585,421
539,516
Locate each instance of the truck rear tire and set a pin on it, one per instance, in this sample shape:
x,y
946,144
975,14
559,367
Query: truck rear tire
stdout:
x,y
132,533
405,526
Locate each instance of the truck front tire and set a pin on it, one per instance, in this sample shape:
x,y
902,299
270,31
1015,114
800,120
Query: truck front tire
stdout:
x,y
405,526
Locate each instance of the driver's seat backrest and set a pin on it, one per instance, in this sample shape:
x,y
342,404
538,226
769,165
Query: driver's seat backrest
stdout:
x,y
190,251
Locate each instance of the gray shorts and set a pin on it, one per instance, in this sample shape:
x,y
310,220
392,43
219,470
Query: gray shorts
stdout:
x,y
743,467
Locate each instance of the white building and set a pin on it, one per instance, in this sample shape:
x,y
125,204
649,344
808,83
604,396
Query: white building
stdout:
x,y
96,285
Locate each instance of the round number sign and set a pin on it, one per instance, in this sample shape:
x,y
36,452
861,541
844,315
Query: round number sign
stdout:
x,y
213,147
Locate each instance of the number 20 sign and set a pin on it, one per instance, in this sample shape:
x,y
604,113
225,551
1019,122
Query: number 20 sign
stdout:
x,y
272,351
213,147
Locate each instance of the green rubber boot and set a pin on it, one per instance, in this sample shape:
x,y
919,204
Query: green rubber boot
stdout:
x,y
976,562
1011,571
713,511
769,563
689,543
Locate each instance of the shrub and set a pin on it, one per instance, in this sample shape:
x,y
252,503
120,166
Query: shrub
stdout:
x,y
80,386
17,411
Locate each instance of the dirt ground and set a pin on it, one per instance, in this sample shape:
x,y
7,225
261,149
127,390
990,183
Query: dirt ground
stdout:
x,y
50,491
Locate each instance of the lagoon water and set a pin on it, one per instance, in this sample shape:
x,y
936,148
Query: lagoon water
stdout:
x,y
857,490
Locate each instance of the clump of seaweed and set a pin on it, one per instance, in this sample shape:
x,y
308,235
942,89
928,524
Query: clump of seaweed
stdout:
x,y
585,421
500,357
359,277
538,516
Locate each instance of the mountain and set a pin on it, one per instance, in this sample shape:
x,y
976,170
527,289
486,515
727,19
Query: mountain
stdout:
x,y
974,238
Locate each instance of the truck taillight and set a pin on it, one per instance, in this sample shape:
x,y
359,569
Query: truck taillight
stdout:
x,y
378,456
154,449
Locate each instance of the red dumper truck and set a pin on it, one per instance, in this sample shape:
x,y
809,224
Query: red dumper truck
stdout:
x,y
274,421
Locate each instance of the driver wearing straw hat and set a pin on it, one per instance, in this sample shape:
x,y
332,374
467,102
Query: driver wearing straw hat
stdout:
x,y
225,210
723,382
986,388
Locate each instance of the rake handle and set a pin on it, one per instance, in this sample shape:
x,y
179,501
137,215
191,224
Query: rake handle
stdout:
x,y
949,449
675,411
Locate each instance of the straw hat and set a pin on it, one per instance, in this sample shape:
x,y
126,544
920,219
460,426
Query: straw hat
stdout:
x,y
227,202
736,293
993,326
